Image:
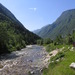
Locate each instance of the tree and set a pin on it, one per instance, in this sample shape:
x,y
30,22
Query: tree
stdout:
x,y
58,40
3,39
47,41
40,42
70,40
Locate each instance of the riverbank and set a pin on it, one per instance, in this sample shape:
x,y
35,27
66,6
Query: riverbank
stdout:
x,y
60,63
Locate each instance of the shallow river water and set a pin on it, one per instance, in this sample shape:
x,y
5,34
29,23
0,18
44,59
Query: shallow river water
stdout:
x,y
29,60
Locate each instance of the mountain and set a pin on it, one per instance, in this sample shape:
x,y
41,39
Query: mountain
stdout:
x,y
36,31
43,31
64,25
13,35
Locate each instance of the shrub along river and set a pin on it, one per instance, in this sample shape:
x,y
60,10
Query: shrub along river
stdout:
x,y
28,61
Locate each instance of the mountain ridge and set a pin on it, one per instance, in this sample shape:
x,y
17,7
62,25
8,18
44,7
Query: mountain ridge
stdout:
x,y
64,25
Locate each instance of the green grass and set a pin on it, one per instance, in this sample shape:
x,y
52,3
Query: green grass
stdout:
x,y
51,47
59,56
62,67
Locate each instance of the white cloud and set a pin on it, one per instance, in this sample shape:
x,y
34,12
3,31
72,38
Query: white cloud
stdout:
x,y
34,9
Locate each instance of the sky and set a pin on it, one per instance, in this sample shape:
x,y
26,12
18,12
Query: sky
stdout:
x,y
34,14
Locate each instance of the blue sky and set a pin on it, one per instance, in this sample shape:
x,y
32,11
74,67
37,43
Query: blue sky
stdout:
x,y
34,14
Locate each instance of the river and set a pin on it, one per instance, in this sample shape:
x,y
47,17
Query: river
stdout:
x,y
30,60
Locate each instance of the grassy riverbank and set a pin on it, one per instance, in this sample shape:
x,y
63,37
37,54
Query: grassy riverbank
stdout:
x,y
59,64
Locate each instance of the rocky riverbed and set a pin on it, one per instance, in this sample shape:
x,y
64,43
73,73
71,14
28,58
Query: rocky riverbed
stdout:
x,y
30,60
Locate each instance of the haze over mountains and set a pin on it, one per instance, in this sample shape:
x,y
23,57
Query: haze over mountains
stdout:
x,y
13,35
64,25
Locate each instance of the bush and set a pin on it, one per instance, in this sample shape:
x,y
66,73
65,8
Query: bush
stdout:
x,y
50,47
47,41
40,42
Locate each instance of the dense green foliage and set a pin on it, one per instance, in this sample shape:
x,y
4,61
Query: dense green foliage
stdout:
x,y
44,41
13,35
64,25
58,42
68,40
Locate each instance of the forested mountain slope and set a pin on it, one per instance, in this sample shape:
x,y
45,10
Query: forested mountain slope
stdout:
x,y
13,35
64,25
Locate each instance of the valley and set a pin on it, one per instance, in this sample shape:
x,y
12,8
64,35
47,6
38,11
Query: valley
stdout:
x,y
28,49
